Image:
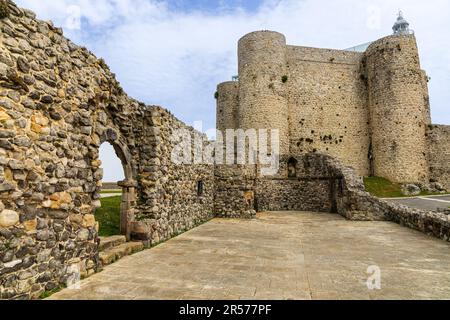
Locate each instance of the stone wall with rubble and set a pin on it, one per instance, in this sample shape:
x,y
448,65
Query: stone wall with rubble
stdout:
x,y
316,185
322,184
307,186
58,104
439,154
169,199
354,203
234,195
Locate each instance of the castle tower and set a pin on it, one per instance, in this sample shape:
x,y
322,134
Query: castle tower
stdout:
x,y
227,105
262,66
398,104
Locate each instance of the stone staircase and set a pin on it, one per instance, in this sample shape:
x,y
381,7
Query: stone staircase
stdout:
x,y
116,247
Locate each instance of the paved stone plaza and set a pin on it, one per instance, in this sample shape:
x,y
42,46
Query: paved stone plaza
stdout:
x,y
280,255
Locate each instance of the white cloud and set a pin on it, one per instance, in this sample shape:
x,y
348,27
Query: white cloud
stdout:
x,y
176,59
112,167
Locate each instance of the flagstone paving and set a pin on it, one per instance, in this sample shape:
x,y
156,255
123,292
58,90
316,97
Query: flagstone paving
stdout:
x,y
279,255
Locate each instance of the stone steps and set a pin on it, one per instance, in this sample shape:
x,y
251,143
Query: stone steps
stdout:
x,y
109,242
115,248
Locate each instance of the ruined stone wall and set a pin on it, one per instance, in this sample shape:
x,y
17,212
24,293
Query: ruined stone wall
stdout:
x,y
58,104
235,191
398,103
169,199
309,189
327,98
354,203
439,154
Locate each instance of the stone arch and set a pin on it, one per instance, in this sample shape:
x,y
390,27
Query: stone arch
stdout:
x,y
129,185
52,125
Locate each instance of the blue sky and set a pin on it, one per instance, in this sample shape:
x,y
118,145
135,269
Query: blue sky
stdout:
x,y
174,53
213,6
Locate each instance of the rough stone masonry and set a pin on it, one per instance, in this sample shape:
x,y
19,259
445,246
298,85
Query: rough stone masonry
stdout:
x,y
59,103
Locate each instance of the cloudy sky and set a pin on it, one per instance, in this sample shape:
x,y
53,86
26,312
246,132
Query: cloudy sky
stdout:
x,y
173,53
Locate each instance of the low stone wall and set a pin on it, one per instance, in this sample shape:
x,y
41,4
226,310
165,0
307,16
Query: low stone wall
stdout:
x,y
354,203
234,191
322,184
295,195
309,188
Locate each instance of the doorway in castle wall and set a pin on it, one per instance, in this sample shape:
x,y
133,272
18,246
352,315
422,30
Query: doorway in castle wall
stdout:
x,y
109,215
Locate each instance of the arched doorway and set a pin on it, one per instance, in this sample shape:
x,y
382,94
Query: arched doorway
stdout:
x,y
292,168
121,200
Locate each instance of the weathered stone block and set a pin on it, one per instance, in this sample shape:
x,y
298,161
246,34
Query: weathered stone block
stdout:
x,y
88,221
9,218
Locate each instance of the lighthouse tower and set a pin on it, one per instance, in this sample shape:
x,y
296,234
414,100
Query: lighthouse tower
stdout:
x,y
401,26
398,96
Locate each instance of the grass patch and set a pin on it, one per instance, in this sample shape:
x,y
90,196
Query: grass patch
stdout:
x,y
47,294
383,188
108,216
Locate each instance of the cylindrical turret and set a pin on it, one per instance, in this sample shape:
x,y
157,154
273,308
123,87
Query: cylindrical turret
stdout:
x,y
397,104
227,105
262,73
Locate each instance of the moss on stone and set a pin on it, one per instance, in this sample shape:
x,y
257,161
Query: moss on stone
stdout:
x,y
49,293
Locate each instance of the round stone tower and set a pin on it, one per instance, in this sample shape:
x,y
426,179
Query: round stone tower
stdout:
x,y
398,107
227,105
262,73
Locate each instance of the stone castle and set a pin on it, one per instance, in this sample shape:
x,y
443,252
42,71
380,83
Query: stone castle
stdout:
x,y
369,109
338,111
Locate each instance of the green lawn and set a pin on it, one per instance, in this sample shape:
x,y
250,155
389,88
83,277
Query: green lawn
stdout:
x,y
108,216
383,188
